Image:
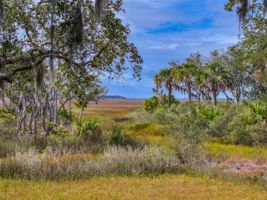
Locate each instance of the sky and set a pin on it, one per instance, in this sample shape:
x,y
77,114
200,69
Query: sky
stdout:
x,y
165,31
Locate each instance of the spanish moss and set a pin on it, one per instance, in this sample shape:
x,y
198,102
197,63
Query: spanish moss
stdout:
x,y
242,10
1,9
98,9
264,7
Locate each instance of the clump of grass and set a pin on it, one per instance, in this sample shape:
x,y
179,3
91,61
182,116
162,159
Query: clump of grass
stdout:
x,y
226,151
115,161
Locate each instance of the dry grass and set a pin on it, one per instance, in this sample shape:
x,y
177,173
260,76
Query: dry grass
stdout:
x,y
112,108
167,187
247,167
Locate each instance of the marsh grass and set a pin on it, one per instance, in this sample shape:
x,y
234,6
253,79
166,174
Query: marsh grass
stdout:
x,y
115,161
226,151
164,187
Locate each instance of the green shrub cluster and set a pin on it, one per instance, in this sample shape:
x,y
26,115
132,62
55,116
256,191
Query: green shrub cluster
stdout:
x,y
243,124
158,101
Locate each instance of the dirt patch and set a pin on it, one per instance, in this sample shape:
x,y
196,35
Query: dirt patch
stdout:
x,y
246,167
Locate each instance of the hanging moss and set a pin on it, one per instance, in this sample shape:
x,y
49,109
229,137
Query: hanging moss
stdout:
x,y
265,6
98,8
39,77
242,10
1,9
75,34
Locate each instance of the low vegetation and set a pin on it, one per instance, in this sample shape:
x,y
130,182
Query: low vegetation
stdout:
x,y
164,187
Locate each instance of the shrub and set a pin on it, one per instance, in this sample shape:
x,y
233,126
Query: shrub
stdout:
x,y
7,149
129,161
241,137
207,112
117,136
90,129
151,104
157,102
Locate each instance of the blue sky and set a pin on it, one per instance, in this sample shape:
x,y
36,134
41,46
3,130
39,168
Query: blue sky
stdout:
x,y
165,31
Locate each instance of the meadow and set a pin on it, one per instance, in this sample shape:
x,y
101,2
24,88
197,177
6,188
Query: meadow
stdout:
x,y
164,187
134,174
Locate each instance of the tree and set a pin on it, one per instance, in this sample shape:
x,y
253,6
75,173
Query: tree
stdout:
x,y
165,79
245,7
239,72
57,43
184,74
215,79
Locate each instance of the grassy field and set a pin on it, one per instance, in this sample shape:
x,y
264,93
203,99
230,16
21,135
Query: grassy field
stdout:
x,y
165,187
112,108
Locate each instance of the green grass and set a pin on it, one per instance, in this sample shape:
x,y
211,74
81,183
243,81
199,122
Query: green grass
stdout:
x,y
222,150
151,133
165,187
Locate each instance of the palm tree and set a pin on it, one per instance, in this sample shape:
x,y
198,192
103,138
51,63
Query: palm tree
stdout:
x,y
215,79
202,90
165,79
184,74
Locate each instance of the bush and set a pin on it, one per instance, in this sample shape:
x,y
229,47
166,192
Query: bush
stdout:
x,y
157,102
151,104
7,149
207,112
117,136
90,129
241,137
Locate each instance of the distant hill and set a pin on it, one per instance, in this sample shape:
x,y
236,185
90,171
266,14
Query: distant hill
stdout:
x,y
113,97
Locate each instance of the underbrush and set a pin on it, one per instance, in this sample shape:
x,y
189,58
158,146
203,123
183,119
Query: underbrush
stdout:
x,y
87,136
115,161
228,123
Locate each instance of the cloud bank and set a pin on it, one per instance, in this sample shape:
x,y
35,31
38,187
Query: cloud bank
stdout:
x,y
164,31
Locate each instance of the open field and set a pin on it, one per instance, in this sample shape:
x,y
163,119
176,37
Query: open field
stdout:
x,y
165,187
162,187
113,108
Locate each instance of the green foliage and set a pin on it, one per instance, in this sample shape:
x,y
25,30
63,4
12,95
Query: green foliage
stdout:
x,y
157,102
193,123
151,104
117,136
90,129
258,109
6,115
207,112
240,136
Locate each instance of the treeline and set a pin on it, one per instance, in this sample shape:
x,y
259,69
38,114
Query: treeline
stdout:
x,y
238,72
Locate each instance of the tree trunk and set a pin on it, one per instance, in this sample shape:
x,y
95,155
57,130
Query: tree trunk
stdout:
x,y
81,113
237,96
214,93
169,96
189,92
